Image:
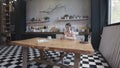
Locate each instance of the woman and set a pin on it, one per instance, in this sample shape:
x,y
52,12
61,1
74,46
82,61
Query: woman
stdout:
x,y
69,34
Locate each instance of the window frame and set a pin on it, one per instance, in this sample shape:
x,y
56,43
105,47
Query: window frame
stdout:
x,y
109,15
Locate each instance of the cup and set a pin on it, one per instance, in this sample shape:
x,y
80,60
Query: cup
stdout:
x,y
49,37
82,38
86,38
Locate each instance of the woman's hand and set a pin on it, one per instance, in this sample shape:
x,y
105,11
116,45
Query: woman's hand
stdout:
x,y
62,37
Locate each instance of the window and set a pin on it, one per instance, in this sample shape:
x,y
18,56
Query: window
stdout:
x,y
114,11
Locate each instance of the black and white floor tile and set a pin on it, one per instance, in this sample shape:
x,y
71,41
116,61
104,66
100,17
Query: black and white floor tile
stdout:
x,y
11,57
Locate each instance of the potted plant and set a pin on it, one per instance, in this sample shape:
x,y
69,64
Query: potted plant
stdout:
x,y
66,16
46,18
33,19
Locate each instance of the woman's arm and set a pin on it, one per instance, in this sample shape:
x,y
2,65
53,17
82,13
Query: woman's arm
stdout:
x,y
72,37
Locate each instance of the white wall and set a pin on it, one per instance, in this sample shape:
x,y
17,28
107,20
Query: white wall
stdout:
x,y
72,7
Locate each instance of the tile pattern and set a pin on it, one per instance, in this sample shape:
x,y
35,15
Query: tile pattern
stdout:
x,y
11,57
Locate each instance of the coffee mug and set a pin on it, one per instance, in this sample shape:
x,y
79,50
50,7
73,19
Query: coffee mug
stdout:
x,y
49,37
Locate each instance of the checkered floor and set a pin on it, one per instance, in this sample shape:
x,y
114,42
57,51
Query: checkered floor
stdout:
x,y
11,57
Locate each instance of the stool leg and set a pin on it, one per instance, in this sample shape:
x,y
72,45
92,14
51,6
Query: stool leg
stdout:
x,y
24,53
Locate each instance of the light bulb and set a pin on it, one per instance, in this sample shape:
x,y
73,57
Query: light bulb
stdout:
x,y
15,0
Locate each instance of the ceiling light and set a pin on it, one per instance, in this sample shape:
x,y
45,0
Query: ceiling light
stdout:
x,y
4,3
15,0
10,2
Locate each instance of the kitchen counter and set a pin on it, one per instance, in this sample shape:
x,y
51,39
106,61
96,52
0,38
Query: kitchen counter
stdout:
x,y
28,35
80,33
44,33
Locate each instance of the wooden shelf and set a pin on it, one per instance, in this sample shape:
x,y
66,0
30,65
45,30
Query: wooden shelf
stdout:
x,y
34,22
60,20
5,21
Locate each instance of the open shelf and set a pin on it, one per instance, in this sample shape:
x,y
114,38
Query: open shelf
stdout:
x,y
34,22
60,20
5,21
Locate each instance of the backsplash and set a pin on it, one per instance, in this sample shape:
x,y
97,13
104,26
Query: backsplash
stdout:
x,y
58,13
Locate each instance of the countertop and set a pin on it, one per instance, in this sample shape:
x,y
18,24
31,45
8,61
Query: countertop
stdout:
x,y
80,33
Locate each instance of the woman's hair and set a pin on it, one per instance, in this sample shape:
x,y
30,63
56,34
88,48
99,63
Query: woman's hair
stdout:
x,y
68,24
